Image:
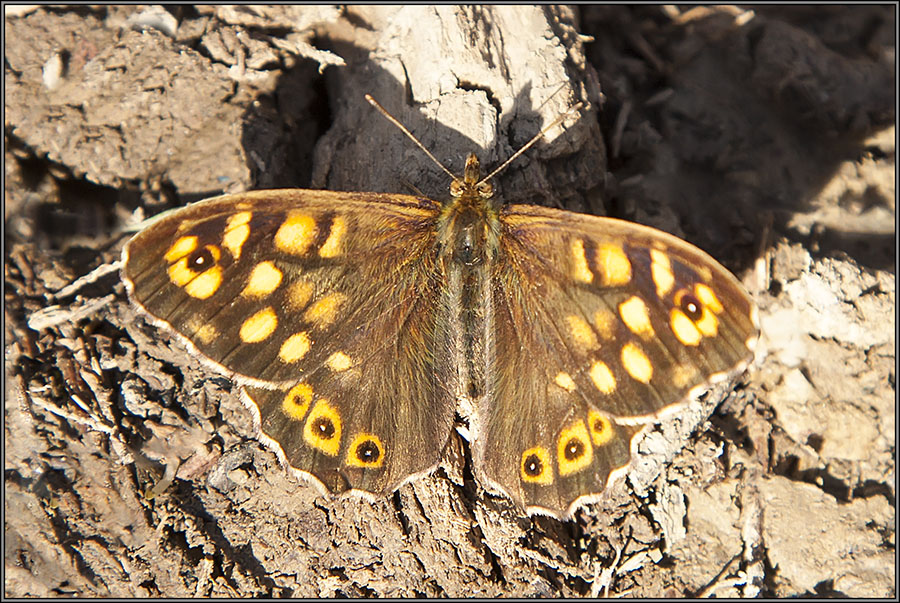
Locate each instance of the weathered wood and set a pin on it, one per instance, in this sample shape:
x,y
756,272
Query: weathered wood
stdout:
x,y
131,471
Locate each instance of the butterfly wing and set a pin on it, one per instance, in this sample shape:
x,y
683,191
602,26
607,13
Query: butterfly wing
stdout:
x,y
599,324
331,332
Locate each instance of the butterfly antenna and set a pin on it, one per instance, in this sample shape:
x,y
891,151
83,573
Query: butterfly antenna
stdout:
x,y
403,129
534,140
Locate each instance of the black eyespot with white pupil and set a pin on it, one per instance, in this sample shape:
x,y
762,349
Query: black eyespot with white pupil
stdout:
x,y
324,427
574,449
533,466
201,260
367,452
691,307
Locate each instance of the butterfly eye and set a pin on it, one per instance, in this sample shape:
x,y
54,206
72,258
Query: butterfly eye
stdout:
x,y
485,190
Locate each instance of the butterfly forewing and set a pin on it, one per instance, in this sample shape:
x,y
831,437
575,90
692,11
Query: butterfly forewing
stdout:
x,y
323,306
598,324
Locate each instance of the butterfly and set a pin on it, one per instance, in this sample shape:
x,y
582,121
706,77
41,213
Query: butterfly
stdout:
x,y
359,325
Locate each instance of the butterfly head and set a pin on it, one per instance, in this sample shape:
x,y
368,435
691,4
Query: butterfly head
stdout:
x,y
472,186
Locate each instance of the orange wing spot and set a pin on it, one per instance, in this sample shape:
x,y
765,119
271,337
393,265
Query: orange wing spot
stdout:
x,y
601,428
661,271
264,279
605,321
564,380
603,378
339,362
296,402
236,232
299,294
636,363
294,347
683,328
333,244
708,323
615,268
582,333
366,451
323,312
322,429
580,270
296,233
708,298
535,466
636,317
180,248
259,326
573,449
204,285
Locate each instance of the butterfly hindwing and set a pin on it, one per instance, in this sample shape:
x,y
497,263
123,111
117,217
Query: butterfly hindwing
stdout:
x,y
322,305
598,324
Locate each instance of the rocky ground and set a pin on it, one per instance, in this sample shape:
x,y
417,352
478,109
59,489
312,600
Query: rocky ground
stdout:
x,y
765,137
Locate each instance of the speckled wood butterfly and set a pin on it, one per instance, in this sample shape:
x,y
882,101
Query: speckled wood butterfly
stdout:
x,y
358,324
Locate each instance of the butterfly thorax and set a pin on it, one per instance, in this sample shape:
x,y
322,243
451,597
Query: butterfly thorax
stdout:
x,y
469,225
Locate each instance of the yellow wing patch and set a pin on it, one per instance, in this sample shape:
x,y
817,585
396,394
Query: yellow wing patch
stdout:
x,y
602,377
296,401
299,294
636,363
294,347
180,248
661,272
582,333
197,272
601,428
535,467
708,298
565,381
605,321
333,244
573,449
580,270
323,312
322,429
636,317
236,232
339,362
264,279
296,233
615,268
366,450
259,326
683,328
